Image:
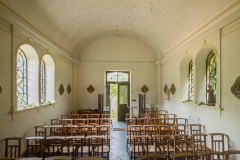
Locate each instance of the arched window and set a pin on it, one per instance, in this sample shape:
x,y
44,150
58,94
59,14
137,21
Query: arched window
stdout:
x,y
211,71
27,85
190,81
43,81
21,77
47,83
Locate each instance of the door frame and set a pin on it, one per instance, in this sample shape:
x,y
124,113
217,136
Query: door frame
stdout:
x,y
107,87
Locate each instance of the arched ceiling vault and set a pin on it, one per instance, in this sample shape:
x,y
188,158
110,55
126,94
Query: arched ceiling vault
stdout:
x,y
162,24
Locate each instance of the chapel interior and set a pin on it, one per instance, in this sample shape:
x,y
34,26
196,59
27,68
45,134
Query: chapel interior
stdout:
x,y
99,78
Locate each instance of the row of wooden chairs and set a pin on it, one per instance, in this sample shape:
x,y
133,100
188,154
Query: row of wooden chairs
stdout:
x,y
41,137
75,146
192,156
142,145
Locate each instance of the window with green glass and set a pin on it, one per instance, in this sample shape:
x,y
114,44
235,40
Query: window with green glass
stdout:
x,y
190,81
211,72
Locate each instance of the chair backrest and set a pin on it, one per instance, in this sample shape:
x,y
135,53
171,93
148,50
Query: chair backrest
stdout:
x,y
55,130
186,156
138,142
54,122
199,142
208,155
54,146
166,129
195,129
218,141
85,130
230,152
14,145
163,142
66,121
180,121
74,116
41,131
181,129
74,142
152,156
34,146
181,143
69,130
105,121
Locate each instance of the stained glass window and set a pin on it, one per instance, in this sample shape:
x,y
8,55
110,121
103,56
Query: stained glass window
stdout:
x,y
117,77
21,77
211,73
190,81
43,81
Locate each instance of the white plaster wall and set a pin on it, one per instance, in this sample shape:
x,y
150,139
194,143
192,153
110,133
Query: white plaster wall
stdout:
x,y
228,71
120,53
24,122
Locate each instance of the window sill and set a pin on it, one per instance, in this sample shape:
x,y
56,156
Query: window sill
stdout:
x,y
217,108
38,108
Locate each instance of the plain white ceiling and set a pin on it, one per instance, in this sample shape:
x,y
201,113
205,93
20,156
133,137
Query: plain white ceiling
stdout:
x,y
165,23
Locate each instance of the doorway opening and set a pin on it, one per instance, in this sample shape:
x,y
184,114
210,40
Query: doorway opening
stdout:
x,y
117,93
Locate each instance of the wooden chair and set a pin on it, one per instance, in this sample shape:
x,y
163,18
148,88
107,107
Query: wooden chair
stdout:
x,y
54,146
34,146
199,143
85,130
40,131
181,129
14,145
151,131
163,146
104,130
72,145
184,156
138,147
95,119
98,143
65,116
55,130
66,121
181,144
195,129
230,152
84,116
208,155
134,130
218,142
69,130
58,158
162,111
54,122
166,130
86,147
152,156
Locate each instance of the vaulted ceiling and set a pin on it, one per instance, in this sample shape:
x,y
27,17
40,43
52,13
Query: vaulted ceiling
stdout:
x,y
163,23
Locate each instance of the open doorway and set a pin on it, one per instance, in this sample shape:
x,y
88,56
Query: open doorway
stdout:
x,y
117,94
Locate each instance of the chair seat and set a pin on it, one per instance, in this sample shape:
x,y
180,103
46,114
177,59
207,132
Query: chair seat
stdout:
x,y
184,148
85,149
151,148
171,148
71,149
53,149
99,149
137,149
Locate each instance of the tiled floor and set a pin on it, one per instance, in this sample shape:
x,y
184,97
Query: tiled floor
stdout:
x,y
118,142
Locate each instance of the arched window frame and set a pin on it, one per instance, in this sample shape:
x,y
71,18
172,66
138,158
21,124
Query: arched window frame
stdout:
x,y
21,78
190,81
211,71
43,81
